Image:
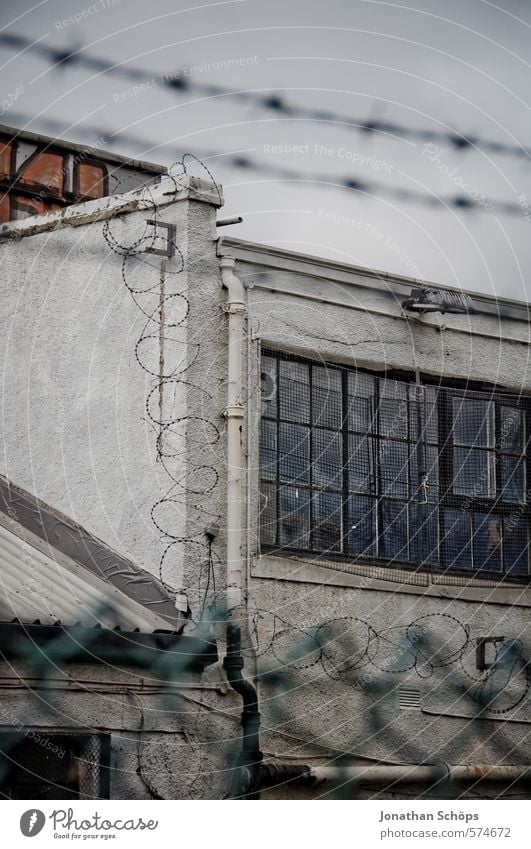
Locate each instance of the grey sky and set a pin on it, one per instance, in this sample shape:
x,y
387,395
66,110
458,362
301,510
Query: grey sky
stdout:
x,y
427,65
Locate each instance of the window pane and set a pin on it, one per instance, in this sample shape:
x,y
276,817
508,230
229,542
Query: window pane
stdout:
x,y
294,388
268,449
487,542
424,461
327,464
294,453
513,478
268,386
515,545
511,430
268,513
424,533
393,534
326,521
360,464
423,407
393,468
457,537
473,422
474,473
393,408
361,529
361,402
326,397
294,517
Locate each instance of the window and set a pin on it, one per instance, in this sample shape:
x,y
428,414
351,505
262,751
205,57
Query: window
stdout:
x,y
35,764
363,466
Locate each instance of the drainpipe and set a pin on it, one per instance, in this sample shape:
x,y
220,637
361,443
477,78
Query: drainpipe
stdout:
x,y
237,311
247,775
245,782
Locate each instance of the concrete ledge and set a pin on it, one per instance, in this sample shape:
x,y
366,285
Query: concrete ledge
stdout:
x,y
307,571
163,192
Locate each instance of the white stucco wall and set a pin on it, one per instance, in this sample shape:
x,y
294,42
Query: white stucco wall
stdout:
x,y
86,369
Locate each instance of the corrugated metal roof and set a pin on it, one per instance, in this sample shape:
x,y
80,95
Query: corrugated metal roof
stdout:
x,y
48,587
44,528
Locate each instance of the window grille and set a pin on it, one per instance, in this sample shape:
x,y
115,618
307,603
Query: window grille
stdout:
x,y
368,467
37,765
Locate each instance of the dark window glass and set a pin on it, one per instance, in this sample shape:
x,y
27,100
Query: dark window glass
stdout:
x,y
487,528
458,538
294,517
48,765
393,539
364,466
327,521
294,453
294,391
327,466
361,533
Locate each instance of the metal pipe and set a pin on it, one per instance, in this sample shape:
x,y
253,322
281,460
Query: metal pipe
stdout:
x,y
427,774
236,309
247,776
224,222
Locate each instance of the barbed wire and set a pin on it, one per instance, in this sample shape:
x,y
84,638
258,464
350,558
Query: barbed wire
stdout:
x,y
178,83
166,309
369,188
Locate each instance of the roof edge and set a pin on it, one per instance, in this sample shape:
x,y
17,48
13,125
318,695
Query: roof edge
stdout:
x,y
335,270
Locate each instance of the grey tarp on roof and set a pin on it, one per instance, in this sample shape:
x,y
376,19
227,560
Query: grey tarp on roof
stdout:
x,y
69,538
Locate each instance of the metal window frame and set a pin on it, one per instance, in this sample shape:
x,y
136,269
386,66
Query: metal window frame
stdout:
x,y
448,390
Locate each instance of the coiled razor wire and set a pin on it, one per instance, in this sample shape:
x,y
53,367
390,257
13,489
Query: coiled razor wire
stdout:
x,y
173,431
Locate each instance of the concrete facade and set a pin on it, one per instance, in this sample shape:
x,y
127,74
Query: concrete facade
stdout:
x,y
113,400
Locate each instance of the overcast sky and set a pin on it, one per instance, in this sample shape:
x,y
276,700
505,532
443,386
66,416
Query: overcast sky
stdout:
x,y
422,65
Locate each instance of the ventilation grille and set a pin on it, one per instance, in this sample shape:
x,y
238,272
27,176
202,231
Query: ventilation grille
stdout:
x,y
408,698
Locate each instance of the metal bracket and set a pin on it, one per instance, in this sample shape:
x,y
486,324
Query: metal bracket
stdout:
x,y
171,235
481,644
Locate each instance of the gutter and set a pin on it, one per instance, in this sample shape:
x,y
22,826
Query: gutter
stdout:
x,y
45,645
